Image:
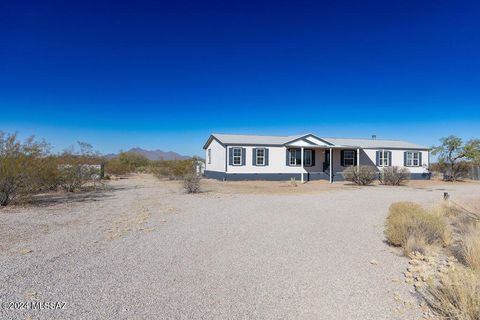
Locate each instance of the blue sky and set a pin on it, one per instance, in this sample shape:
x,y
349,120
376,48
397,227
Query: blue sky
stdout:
x,y
160,74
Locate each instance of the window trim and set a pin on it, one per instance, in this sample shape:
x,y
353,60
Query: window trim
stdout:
x,y
262,157
209,155
234,156
290,153
345,158
305,157
385,158
412,159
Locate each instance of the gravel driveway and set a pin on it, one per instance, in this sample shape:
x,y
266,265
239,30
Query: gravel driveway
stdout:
x,y
145,250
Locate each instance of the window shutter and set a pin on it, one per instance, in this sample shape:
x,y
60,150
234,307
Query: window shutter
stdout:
x,y
254,156
230,156
313,158
405,159
244,155
288,158
266,156
342,158
420,159
390,158
355,157
378,158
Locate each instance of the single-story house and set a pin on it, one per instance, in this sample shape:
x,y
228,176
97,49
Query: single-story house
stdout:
x,y
306,157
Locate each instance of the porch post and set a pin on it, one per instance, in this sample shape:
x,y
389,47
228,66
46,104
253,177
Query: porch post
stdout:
x,y
301,163
331,165
358,160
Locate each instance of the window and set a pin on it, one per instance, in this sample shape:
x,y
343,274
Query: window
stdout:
x,y
237,156
384,159
308,157
348,158
412,158
293,157
209,156
260,157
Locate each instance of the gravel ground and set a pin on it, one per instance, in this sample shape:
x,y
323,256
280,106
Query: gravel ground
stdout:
x,y
145,250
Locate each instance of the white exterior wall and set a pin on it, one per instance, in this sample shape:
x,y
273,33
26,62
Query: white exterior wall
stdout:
x,y
370,158
218,159
277,160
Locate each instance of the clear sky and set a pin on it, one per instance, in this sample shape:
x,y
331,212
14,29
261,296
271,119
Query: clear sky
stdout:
x,y
165,74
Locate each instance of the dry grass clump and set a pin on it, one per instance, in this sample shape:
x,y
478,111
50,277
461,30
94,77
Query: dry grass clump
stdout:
x,y
468,248
456,295
413,228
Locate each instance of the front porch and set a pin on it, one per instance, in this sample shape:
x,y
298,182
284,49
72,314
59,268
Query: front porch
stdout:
x,y
322,162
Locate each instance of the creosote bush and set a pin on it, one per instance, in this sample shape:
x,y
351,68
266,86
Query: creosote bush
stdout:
x,y
363,175
22,168
191,182
410,226
394,176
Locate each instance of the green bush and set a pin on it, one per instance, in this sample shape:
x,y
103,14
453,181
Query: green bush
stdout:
x,y
174,169
116,167
363,175
21,168
408,225
133,160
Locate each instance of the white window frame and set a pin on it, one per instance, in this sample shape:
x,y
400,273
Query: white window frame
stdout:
x,y
384,159
239,156
349,158
209,153
293,156
258,157
308,164
411,160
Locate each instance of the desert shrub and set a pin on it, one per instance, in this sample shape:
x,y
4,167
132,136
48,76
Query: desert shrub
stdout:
x,y
363,175
467,249
409,223
21,170
191,182
174,169
77,168
456,295
394,176
116,167
133,160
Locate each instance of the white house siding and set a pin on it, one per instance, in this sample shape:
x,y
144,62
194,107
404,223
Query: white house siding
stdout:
x,y
218,158
397,159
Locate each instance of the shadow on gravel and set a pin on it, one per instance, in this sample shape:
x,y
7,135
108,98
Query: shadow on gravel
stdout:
x,y
51,199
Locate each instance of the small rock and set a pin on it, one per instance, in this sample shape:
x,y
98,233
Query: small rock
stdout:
x,y
374,262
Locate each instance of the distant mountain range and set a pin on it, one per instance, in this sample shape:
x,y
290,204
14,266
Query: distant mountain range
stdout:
x,y
153,154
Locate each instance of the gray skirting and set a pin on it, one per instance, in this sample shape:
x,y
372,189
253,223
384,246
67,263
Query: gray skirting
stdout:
x,y
309,176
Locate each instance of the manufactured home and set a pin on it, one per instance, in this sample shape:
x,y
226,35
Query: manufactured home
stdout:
x,y
306,157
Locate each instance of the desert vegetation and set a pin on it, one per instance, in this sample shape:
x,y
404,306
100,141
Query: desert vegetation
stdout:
x,y
444,246
394,176
361,175
455,158
366,175
29,167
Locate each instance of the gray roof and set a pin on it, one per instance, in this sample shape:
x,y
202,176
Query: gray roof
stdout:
x,y
374,143
336,142
254,139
